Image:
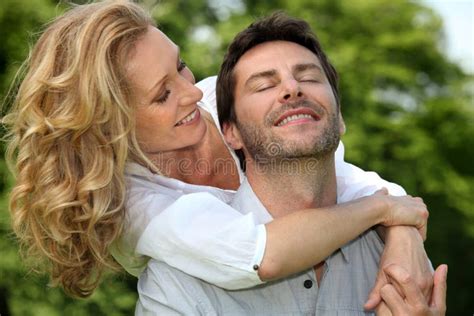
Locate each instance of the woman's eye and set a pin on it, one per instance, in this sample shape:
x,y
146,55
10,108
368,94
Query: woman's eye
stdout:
x,y
181,65
164,97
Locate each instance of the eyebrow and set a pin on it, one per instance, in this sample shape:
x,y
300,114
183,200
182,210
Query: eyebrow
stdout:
x,y
308,66
260,75
153,88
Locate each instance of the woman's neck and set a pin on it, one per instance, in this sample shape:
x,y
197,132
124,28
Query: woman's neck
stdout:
x,y
208,162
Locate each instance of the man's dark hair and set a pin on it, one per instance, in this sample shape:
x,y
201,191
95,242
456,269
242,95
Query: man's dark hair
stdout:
x,y
276,27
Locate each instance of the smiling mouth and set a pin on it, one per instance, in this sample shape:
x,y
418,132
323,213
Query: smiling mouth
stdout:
x,y
188,118
302,115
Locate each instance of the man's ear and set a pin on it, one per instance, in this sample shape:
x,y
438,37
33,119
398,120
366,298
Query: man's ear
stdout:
x,y
232,135
342,125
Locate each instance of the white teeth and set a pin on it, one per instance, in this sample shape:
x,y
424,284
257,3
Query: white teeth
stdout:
x,y
294,117
188,118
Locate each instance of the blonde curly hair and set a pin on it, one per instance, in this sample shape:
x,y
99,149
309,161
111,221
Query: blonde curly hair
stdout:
x,y
71,131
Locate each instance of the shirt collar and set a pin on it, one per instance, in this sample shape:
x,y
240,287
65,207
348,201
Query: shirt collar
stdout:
x,y
135,169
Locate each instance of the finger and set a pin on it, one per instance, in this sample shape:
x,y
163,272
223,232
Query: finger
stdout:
x,y
396,286
373,300
405,282
383,310
419,199
393,300
423,232
424,214
374,295
440,285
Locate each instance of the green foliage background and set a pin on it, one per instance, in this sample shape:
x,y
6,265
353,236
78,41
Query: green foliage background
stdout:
x,y
408,109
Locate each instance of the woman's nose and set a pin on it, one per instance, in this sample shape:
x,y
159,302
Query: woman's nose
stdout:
x,y
190,94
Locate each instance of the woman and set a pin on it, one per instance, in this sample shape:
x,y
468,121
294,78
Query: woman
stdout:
x,y
100,114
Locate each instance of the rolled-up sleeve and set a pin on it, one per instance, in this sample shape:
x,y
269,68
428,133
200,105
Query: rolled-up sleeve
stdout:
x,y
206,238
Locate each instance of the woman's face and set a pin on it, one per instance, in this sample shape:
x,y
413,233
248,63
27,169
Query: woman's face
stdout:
x,y
167,115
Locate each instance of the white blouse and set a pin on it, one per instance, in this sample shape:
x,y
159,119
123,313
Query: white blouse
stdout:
x,y
193,228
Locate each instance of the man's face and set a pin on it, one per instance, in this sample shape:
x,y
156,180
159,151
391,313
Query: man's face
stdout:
x,y
284,104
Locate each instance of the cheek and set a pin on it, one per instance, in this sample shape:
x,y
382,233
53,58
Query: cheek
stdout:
x,y
150,123
142,129
330,94
247,114
325,96
255,107
142,120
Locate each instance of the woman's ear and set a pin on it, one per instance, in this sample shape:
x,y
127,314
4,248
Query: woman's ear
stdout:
x,y
232,135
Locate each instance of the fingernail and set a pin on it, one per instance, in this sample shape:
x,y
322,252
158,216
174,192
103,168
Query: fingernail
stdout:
x,y
369,302
368,308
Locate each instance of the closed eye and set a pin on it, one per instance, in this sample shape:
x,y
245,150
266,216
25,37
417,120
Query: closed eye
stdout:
x,y
309,79
163,97
263,88
264,85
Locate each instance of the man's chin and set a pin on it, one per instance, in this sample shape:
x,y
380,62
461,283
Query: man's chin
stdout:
x,y
305,150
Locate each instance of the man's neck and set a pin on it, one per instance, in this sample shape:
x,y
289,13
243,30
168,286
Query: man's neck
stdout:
x,y
294,185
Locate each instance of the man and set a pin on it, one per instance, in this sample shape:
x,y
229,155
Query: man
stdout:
x,y
278,104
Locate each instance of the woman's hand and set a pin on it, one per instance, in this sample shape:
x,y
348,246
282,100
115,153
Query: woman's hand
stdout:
x,y
403,210
412,301
403,247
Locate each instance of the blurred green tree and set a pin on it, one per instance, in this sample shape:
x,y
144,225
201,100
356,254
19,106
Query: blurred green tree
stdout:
x,y
409,112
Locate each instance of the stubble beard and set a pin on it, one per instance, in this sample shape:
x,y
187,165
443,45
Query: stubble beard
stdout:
x,y
265,148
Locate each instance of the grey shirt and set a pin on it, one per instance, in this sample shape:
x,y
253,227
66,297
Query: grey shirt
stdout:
x,y
349,275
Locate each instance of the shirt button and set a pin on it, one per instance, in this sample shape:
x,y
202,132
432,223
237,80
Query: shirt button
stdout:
x,y
308,284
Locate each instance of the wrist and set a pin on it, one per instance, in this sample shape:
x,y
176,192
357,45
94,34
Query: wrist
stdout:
x,y
374,209
402,233
383,206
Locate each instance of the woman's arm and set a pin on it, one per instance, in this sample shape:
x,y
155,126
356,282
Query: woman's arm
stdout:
x,y
206,238
320,232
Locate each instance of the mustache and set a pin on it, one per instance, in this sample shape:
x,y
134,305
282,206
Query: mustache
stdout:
x,y
274,115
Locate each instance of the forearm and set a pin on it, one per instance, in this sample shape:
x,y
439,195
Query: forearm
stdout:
x,y
302,239
400,234
407,240
406,231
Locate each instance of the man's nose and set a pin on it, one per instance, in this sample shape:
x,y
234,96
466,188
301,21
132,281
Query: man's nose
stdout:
x,y
290,91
